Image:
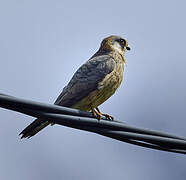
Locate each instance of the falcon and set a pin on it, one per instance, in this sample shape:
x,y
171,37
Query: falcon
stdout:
x,y
92,84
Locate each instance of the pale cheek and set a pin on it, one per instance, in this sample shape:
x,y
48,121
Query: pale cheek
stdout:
x,y
117,47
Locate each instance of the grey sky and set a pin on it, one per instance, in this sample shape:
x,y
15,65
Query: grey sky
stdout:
x,y
43,42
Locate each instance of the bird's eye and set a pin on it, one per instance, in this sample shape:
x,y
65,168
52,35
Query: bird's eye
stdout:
x,y
122,42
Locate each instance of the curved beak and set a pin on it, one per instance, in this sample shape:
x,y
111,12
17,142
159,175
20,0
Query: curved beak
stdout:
x,y
128,48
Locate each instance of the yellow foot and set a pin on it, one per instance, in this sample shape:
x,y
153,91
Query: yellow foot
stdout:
x,y
98,114
108,116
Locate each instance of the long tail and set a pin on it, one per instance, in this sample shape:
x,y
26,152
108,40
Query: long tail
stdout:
x,y
34,128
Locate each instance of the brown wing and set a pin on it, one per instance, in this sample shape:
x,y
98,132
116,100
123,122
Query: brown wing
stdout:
x,y
86,80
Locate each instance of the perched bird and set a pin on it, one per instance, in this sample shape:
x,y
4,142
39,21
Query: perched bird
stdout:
x,y
93,83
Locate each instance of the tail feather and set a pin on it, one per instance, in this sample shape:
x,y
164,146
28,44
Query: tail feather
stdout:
x,y
34,128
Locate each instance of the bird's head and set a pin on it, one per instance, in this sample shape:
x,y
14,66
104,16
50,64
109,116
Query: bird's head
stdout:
x,y
115,43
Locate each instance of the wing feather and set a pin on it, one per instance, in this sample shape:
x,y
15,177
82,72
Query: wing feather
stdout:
x,y
86,79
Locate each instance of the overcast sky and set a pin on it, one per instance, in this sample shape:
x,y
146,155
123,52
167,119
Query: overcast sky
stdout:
x,y
43,42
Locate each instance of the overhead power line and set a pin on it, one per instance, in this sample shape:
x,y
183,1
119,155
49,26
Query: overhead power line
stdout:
x,y
85,121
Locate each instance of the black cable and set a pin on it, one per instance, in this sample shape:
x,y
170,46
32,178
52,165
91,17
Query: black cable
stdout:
x,y
85,121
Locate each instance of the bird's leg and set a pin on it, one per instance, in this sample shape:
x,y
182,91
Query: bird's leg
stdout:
x,y
95,113
103,114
